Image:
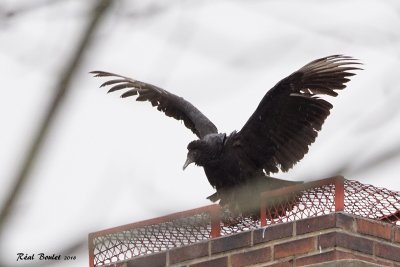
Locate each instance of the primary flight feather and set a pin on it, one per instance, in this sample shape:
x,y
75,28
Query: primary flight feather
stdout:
x,y
275,137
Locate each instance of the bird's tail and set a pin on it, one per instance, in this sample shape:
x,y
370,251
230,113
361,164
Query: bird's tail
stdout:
x,y
244,200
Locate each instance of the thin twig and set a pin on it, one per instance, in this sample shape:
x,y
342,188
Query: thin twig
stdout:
x,y
60,90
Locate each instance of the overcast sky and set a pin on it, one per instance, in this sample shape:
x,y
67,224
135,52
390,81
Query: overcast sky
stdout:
x,y
111,161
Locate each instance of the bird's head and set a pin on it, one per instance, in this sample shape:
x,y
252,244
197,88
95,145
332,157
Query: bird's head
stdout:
x,y
197,153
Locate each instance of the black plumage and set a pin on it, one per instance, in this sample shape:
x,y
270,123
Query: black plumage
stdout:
x,y
275,137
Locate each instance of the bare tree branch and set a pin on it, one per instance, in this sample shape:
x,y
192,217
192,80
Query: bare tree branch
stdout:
x,y
60,90
348,167
26,7
378,159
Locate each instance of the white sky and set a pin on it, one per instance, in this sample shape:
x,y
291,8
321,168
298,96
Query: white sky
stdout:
x,y
109,161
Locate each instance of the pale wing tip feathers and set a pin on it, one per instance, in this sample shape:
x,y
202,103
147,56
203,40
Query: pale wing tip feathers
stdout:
x,y
334,58
98,73
333,64
327,74
168,103
320,77
135,87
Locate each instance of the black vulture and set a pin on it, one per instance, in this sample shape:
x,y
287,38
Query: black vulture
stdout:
x,y
275,137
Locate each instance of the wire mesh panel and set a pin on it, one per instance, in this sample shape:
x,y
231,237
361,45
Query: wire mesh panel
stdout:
x,y
277,206
302,204
151,236
372,202
230,225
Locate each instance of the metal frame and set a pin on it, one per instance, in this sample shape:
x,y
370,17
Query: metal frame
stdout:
x,y
338,181
332,194
213,210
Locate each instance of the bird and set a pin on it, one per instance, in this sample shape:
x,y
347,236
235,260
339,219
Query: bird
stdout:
x,y
275,137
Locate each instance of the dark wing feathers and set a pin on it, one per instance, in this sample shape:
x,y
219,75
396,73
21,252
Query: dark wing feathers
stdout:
x,y
170,104
290,115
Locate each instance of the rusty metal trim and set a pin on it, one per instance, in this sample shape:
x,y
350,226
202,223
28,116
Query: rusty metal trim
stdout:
x,y
341,195
338,181
174,216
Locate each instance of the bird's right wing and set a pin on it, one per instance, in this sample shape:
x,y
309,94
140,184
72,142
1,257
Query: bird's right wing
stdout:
x,y
172,105
290,115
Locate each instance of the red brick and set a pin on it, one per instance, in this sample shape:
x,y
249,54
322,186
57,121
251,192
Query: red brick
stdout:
x,y
188,252
387,251
156,260
327,240
371,259
317,258
273,232
295,247
232,242
374,228
315,224
251,257
349,242
345,222
355,243
219,262
288,263
396,233
342,255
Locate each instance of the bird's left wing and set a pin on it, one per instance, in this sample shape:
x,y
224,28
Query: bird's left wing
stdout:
x,y
290,115
172,105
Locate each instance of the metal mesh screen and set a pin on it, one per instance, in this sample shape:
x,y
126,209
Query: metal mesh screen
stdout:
x,y
150,239
282,205
303,204
372,202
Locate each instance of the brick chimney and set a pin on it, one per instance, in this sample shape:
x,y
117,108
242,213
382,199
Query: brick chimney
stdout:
x,y
197,238
336,239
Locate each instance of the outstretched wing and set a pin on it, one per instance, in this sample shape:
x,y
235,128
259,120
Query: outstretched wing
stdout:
x,y
288,118
172,105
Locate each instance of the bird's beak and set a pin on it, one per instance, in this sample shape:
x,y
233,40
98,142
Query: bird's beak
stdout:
x,y
187,162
